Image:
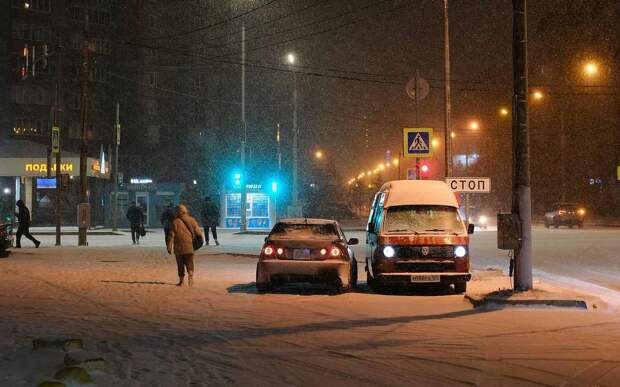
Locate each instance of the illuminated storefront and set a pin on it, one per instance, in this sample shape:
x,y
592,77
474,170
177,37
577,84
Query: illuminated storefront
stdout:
x,y
259,208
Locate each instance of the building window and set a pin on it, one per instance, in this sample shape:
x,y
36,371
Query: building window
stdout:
x,y
103,46
152,134
151,79
152,21
31,32
33,5
151,107
29,127
99,74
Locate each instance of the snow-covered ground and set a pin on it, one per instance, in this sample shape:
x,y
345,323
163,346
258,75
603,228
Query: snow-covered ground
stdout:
x,y
122,301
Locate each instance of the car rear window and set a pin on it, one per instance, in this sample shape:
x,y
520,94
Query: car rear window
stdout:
x,y
304,231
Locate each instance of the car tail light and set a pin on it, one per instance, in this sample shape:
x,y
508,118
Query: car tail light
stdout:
x,y
268,251
561,212
335,252
280,251
323,252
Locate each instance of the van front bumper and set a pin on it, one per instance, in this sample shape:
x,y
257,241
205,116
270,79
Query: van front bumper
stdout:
x,y
422,278
304,271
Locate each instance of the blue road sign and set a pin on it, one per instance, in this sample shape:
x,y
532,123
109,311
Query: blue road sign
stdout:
x,y
417,142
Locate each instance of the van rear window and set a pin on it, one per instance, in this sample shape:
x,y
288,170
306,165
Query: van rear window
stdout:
x,y
423,219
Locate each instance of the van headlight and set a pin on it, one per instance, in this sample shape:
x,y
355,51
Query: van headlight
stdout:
x,y
389,252
460,251
482,219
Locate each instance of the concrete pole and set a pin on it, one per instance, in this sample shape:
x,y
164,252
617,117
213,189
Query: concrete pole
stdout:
x,y
562,155
447,91
84,122
244,136
521,191
295,192
117,142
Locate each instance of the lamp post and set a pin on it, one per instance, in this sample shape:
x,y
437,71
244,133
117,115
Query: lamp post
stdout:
x,y
291,60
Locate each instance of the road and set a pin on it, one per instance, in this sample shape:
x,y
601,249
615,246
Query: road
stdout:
x,y
591,254
121,300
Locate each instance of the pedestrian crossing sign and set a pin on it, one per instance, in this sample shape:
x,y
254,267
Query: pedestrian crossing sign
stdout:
x,y
417,142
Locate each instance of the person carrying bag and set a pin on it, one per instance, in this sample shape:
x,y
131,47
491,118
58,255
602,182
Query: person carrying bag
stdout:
x,y
185,238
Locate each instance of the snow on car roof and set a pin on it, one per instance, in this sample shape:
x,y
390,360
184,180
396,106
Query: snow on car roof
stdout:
x,y
307,221
418,192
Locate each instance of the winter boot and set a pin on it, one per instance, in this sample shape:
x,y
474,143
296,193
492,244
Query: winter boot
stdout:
x,y
190,279
181,280
217,243
36,244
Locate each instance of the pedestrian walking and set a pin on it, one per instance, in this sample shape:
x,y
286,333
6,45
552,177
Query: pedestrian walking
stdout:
x,y
210,215
166,219
136,221
23,217
181,243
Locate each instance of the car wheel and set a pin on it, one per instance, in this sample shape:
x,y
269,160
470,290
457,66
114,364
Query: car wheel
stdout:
x,y
460,287
353,279
546,224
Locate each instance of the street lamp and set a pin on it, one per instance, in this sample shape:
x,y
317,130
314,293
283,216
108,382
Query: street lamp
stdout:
x,y
591,69
318,155
294,209
504,111
474,125
538,95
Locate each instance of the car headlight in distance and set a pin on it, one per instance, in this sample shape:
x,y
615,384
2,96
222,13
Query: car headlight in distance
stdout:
x,y
460,251
581,211
389,252
482,219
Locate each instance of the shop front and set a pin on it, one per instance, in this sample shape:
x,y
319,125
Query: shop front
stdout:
x,y
260,208
24,175
152,197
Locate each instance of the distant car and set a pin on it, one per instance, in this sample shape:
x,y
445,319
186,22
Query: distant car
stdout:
x,y
565,214
6,239
307,250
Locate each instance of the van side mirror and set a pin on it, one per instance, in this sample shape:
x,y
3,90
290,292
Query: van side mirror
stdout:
x,y
370,228
470,228
353,241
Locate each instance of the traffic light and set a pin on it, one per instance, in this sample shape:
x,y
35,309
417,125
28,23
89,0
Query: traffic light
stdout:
x,y
425,169
237,179
274,186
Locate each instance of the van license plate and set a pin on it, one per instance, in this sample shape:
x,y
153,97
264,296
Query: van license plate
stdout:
x,y
425,278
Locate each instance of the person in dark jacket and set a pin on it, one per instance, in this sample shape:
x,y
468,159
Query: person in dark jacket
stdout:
x,y
166,219
23,217
210,215
136,219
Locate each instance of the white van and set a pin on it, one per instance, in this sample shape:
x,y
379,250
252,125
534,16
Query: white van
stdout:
x,y
416,235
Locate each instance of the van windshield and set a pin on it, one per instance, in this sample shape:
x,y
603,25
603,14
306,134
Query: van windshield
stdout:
x,y
423,219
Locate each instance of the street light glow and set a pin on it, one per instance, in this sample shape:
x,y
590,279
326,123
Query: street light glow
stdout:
x,y
291,58
590,69
395,162
452,134
435,143
318,154
503,111
7,191
538,95
474,125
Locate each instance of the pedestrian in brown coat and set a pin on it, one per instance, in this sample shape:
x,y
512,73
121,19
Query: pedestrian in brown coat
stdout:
x,y
182,232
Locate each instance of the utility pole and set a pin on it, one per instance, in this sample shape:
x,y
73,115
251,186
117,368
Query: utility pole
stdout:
x,y
279,147
447,102
521,190
562,155
57,124
295,193
418,174
117,141
244,138
83,206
